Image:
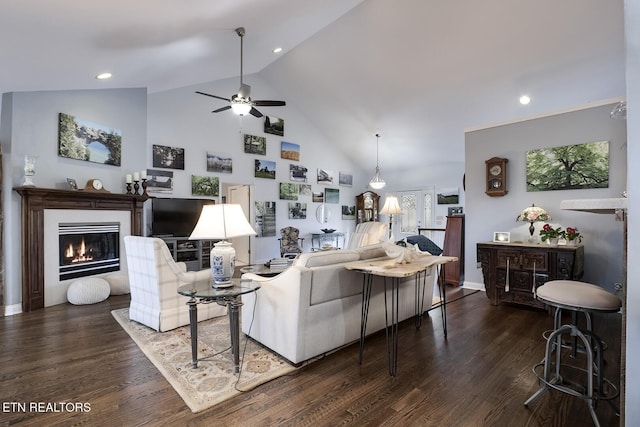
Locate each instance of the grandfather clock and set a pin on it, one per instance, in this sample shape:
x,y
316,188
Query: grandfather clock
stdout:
x,y
367,207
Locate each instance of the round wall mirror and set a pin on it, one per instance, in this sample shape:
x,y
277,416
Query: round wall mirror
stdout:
x,y
323,214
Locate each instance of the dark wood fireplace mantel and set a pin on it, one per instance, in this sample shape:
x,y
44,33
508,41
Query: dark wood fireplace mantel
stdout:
x,y
34,202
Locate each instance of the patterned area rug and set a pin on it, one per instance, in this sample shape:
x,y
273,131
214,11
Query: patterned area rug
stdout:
x,y
213,381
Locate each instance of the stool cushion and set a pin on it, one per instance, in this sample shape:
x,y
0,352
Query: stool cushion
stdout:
x,y
89,290
118,283
580,295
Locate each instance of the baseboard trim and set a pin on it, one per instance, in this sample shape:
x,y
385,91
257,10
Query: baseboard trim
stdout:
x,y
10,310
474,285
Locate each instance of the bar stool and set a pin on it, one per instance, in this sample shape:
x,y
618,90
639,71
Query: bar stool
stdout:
x,y
576,297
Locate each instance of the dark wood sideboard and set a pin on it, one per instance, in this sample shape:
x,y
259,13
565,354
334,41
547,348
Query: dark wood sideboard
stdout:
x,y
34,201
512,271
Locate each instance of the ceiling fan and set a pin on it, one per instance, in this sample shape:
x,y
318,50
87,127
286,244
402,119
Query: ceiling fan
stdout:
x,y
241,103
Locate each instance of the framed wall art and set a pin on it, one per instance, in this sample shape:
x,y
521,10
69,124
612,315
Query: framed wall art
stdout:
x,y
290,151
325,176
273,125
205,186
571,167
219,162
265,169
84,140
168,157
255,144
159,180
345,179
288,191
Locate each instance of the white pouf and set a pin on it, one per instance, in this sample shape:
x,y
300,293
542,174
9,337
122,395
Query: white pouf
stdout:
x,y
88,290
119,283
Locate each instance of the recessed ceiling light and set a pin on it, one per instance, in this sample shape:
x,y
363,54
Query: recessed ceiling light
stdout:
x,y
277,50
103,76
524,100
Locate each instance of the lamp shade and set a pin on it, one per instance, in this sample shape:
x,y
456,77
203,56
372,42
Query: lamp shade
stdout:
x,y
532,214
391,206
223,221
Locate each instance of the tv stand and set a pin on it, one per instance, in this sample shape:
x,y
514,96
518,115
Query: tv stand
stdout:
x,y
194,253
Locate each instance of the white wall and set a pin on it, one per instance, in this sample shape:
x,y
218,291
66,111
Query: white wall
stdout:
x,y
30,126
603,236
182,118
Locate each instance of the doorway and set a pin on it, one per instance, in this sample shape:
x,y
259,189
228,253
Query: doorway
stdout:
x,y
241,194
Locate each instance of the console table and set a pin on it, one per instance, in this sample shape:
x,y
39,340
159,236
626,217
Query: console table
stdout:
x,y
317,239
512,272
389,269
204,293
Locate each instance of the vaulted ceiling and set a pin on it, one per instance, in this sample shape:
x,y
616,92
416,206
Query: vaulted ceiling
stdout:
x,y
418,71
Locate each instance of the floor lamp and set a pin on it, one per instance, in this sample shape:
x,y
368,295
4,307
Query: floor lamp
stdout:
x,y
391,208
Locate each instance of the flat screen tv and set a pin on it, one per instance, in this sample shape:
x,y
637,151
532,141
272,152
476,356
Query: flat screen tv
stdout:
x,y
175,217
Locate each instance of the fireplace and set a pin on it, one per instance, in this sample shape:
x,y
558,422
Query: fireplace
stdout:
x,y
42,210
88,249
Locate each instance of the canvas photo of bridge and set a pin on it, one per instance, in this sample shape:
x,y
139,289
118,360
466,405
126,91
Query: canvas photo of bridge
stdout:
x,y
84,140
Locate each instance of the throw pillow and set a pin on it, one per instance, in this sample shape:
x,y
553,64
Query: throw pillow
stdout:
x,y
425,244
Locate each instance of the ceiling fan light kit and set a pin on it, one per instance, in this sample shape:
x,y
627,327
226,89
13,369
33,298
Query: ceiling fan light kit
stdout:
x,y
377,182
241,103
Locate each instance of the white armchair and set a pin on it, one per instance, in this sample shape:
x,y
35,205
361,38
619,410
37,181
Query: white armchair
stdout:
x,y
154,278
367,233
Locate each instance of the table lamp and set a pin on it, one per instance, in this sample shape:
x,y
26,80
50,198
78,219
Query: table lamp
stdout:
x,y
391,208
532,214
222,221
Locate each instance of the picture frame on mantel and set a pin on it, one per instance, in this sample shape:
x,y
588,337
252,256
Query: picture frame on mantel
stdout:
x,y
73,185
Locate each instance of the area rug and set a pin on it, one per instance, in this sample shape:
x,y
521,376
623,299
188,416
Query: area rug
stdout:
x,y
214,380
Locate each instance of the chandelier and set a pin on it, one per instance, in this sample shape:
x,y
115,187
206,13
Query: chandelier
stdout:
x,y
377,182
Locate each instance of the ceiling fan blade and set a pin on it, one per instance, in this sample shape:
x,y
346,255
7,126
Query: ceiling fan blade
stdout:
x,y
264,103
255,113
213,96
222,109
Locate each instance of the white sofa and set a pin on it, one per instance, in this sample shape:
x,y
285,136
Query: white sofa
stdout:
x,y
367,233
315,305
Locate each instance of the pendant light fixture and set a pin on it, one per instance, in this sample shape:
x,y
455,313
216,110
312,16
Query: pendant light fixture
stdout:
x,y
377,182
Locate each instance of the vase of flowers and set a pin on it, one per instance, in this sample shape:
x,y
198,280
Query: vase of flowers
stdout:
x,y
551,234
572,236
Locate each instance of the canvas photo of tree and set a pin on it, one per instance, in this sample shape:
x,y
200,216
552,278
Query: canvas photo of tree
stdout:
x,y
205,186
570,167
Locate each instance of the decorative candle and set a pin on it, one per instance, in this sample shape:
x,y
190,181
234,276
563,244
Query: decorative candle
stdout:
x,y
127,178
143,174
136,176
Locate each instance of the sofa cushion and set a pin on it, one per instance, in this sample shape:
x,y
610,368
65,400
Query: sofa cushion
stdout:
x,y
371,251
316,259
334,282
357,240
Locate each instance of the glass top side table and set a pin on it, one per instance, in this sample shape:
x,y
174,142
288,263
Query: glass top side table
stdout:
x,y
204,293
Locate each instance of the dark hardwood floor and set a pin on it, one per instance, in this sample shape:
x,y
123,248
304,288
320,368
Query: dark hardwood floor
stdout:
x,y
479,376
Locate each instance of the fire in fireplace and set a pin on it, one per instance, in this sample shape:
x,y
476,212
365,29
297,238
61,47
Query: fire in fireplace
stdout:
x,y
88,249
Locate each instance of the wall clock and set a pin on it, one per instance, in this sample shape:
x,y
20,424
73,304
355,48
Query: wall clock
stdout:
x,y
496,176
